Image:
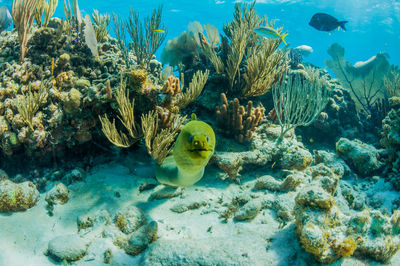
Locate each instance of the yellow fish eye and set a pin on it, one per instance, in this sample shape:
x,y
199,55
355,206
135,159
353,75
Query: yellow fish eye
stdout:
x,y
207,138
190,138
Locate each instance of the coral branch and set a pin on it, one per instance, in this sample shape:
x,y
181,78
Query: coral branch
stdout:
x,y
159,142
30,102
23,15
237,120
127,118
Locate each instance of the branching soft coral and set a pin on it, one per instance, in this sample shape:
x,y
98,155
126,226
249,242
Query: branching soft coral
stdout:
x,y
159,140
176,97
127,118
249,62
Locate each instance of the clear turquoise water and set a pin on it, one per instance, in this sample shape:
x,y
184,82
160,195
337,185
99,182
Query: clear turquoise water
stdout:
x,y
373,26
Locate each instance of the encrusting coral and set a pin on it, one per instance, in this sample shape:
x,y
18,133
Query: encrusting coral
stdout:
x,y
17,197
390,140
363,158
327,232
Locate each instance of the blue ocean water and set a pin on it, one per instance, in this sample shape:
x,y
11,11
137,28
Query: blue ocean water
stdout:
x,y
373,24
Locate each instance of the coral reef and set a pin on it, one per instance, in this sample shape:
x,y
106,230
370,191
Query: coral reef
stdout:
x,y
365,80
328,232
66,115
289,153
391,140
338,119
261,58
72,96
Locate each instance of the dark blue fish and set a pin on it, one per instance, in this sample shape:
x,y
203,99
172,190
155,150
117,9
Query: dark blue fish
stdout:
x,y
325,22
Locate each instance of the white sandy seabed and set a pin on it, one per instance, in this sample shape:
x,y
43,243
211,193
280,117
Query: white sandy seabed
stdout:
x,y
194,237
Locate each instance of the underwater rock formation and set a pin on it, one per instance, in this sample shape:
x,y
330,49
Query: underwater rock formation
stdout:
x,y
391,141
338,119
363,158
91,222
289,154
329,232
332,160
17,197
59,194
75,86
141,238
68,247
129,219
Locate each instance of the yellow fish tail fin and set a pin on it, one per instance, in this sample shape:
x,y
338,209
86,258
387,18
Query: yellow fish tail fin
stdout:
x,y
283,36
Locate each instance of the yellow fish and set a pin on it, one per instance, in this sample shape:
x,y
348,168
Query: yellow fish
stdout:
x,y
159,31
269,32
311,140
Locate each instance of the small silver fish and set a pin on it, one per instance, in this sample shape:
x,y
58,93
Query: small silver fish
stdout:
x,y
268,32
5,18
